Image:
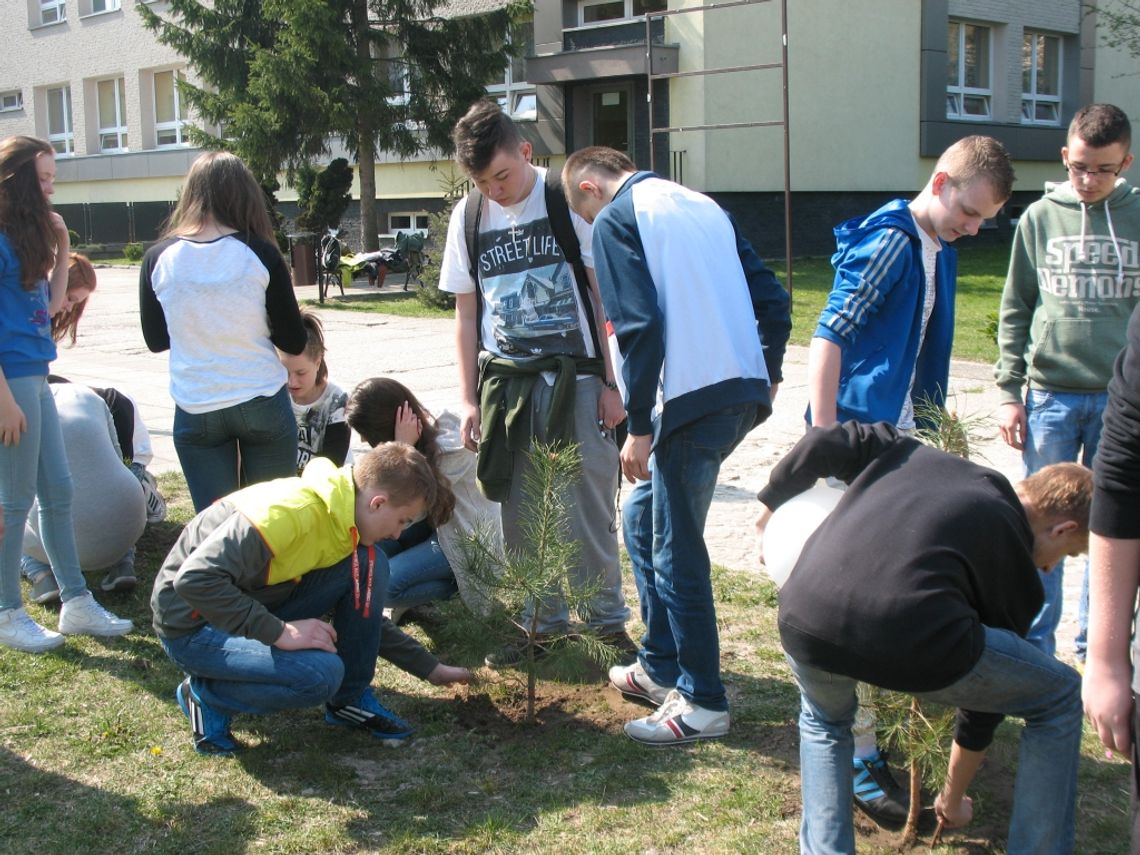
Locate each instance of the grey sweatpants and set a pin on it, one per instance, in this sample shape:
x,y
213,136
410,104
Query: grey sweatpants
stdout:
x,y
593,514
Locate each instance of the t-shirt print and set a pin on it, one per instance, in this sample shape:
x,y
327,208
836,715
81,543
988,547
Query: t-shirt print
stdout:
x,y
530,292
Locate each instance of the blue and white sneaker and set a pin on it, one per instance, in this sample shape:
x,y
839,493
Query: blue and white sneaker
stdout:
x,y
211,729
676,722
373,716
877,793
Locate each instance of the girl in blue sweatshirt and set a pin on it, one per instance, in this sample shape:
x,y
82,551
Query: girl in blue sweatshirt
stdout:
x,y
34,249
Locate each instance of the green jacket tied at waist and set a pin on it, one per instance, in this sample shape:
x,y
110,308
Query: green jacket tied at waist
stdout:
x,y
505,387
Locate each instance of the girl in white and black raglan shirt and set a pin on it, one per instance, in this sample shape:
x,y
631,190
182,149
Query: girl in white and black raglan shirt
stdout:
x,y
216,292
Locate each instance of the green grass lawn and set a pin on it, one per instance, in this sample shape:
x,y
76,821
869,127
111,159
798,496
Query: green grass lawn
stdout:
x,y
95,756
401,303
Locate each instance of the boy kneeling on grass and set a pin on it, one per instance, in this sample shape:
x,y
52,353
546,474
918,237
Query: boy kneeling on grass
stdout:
x,y
239,601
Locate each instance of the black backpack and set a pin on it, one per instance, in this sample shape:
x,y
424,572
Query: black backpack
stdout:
x,y
558,212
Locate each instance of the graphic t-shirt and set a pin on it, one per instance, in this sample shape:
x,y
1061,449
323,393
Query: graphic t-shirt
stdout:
x,y
531,305
313,421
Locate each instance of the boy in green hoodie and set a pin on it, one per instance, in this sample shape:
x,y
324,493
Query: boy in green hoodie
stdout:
x,y
239,601
1074,278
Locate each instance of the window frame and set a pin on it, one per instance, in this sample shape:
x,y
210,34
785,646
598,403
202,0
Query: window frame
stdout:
x,y
57,8
119,130
67,135
512,94
18,94
1033,98
178,124
413,217
957,93
628,13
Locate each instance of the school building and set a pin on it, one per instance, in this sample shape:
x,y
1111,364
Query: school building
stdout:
x,y
875,89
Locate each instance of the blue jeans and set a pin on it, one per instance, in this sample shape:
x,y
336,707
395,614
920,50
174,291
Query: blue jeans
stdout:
x,y
1062,427
1011,677
241,675
419,571
37,466
664,523
259,436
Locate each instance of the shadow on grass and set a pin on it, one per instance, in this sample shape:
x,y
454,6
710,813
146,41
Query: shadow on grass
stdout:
x,y
55,813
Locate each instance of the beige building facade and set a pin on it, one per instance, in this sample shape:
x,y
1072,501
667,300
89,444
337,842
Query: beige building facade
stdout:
x,y
876,89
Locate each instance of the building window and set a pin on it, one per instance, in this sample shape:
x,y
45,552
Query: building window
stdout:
x,y
60,133
168,118
112,114
968,91
1040,79
408,222
10,101
600,11
398,81
518,98
104,6
52,11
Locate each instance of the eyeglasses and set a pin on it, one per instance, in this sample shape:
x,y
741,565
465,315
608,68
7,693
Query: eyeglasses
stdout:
x,y
1077,170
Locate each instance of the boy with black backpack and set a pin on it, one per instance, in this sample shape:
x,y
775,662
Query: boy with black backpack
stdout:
x,y
531,362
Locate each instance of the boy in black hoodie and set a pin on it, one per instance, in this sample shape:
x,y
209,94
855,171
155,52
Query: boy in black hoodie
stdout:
x,y
931,593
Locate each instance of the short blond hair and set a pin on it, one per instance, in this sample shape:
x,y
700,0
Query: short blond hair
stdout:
x,y
1061,491
398,470
975,157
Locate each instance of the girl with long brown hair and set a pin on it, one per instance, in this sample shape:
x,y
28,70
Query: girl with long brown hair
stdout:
x,y
34,248
217,294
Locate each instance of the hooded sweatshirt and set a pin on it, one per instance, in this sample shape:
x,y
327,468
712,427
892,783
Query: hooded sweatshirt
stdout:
x,y
1074,278
874,314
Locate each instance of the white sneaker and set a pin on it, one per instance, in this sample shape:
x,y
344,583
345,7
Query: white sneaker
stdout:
x,y
84,616
633,682
676,722
19,631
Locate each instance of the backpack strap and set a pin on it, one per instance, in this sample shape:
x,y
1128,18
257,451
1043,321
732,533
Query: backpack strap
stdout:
x,y
472,214
558,211
561,225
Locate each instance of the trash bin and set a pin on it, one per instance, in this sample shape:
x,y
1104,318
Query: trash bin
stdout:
x,y
303,254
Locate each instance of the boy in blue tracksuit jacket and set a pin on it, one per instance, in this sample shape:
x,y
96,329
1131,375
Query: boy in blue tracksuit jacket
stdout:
x,y
701,325
877,258
883,341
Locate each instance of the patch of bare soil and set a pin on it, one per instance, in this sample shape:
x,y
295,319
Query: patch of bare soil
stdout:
x,y
587,707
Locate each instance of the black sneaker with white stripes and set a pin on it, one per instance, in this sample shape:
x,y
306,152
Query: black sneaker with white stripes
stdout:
x,y
369,714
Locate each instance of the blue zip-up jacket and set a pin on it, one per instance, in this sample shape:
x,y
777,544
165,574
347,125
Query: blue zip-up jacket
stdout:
x,y
874,314
672,267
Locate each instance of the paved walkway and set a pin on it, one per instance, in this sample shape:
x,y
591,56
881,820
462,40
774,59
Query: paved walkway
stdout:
x,y
420,353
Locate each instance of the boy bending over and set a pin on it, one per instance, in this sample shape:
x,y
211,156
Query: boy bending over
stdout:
x,y
239,602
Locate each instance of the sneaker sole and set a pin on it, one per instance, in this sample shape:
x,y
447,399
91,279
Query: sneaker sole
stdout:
x,y
889,823
45,598
119,583
44,647
682,740
110,633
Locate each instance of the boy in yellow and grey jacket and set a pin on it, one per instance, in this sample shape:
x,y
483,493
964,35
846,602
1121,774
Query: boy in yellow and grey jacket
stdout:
x,y
239,601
